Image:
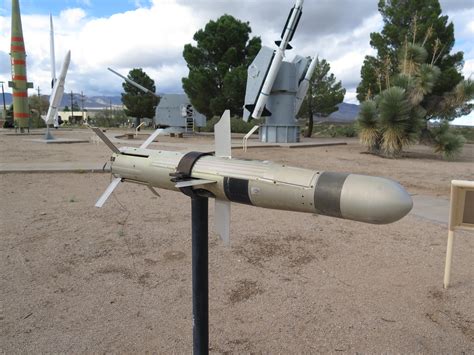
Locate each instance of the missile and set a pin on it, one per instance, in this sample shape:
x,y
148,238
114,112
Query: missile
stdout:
x,y
58,91
19,83
286,37
264,184
53,67
304,85
131,82
51,51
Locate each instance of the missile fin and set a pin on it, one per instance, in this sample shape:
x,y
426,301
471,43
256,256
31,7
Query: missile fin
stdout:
x,y
151,138
288,46
286,23
193,182
106,140
265,111
152,189
222,138
100,202
296,25
222,220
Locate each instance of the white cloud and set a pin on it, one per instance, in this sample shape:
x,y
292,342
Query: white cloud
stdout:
x,y
153,35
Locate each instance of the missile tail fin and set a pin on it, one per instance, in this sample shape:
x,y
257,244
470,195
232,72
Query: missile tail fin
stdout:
x,y
100,202
222,136
293,30
286,23
288,46
151,138
265,111
106,140
222,220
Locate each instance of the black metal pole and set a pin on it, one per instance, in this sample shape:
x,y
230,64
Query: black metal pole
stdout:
x,y
199,212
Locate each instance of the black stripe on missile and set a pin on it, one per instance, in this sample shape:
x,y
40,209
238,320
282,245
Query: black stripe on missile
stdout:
x,y
237,190
327,195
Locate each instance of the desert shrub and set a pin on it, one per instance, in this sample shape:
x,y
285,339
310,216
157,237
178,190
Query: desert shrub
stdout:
x,y
446,142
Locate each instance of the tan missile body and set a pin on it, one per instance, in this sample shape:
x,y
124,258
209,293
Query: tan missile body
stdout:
x,y
270,185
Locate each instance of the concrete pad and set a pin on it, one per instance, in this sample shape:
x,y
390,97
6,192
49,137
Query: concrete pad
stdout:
x,y
432,208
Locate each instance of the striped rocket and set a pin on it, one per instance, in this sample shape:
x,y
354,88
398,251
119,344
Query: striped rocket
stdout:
x,y
19,83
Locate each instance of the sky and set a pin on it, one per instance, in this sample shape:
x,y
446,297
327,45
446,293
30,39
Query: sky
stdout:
x,y
151,34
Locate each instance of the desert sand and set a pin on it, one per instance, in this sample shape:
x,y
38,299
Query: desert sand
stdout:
x,y
75,279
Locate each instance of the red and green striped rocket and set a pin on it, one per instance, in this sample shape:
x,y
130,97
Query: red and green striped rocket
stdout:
x,y
19,83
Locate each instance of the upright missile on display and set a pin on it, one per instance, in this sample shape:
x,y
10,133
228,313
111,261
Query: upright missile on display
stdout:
x,y
58,91
304,85
286,37
55,120
19,83
260,183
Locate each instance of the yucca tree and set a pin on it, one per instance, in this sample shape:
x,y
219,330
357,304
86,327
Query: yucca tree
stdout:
x,y
395,118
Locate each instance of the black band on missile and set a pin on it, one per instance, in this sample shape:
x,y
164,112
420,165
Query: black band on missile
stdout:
x,y
185,165
184,170
237,190
327,194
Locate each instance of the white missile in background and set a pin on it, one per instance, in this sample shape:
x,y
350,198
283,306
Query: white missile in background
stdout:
x,y
258,183
58,91
286,37
131,82
304,85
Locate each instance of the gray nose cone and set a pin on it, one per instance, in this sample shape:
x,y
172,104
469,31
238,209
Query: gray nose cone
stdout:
x,y
374,199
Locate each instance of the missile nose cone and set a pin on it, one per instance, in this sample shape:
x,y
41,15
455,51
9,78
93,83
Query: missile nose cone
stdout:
x,y
374,199
361,198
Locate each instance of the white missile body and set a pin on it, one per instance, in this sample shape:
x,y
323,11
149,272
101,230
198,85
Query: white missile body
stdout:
x,y
304,85
277,59
55,121
265,184
58,91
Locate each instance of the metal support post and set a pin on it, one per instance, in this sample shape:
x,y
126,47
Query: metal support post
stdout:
x,y
200,256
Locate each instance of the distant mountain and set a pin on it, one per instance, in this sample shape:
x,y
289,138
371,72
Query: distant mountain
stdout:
x,y
92,102
347,113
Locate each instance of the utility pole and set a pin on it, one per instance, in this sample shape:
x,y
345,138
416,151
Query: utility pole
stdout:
x,y
4,113
82,105
3,95
72,106
39,91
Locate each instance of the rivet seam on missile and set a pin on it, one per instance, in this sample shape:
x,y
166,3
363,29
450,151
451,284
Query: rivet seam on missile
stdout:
x,y
327,194
237,190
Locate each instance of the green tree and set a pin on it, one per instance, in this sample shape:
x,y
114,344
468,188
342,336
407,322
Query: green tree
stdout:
x,y
39,103
414,22
107,118
394,118
218,66
138,103
324,94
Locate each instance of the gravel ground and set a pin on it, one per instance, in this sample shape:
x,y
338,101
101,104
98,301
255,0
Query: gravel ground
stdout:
x,y
118,279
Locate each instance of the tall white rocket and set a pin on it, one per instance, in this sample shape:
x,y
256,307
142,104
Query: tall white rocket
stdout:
x,y
286,37
53,64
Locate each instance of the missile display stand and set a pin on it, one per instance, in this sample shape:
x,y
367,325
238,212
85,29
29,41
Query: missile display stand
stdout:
x,y
200,252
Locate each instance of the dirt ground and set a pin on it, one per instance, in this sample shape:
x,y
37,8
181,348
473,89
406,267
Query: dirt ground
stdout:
x,y
74,278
